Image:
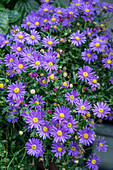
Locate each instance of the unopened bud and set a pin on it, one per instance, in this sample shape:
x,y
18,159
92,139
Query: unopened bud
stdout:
x,y
20,133
32,91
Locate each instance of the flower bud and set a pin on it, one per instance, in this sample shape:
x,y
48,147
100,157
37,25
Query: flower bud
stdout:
x,y
49,111
94,29
71,85
41,159
32,91
59,71
65,74
20,133
54,90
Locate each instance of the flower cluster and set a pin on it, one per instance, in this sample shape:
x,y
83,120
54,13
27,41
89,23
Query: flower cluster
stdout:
x,y
57,79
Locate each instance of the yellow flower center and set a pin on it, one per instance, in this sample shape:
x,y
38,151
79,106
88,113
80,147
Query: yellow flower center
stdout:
x,y
100,144
45,129
85,136
72,97
1,85
37,102
82,107
13,71
46,0
59,12
37,63
51,76
109,61
18,48
89,33
93,161
59,149
111,53
100,110
87,10
104,7
88,55
50,64
14,110
20,36
11,60
57,125
35,120
53,19
64,84
94,81
109,114
44,82
20,66
59,133
50,42
92,122
28,23
69,125
77,4
45,20
6,42
32,37
85,74
36,23
16,90
77,38
45,9
103,50
97,44
73,148
61,115
71,13
33,147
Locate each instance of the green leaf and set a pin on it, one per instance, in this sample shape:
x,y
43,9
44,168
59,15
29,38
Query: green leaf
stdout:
x,y
13,15
25,7
4,22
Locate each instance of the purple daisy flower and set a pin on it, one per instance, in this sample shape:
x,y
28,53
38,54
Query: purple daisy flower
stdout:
x,y
58,149
16,91
82,107
44,130
14,30
70,125
59,134
36,60
110,116
74,147
88,9
51,76
77,4
33,38
61,113
108,62
36,22
65,84
13,110
12,119
17,47
85,73
38,101
77,38
34,119
20,37
43,81
93,162
86,136
26,54
2,40
2,85
34,147
50,42
72,98
93,81
92,123
11,72
46,1
101,110
9,59
89,32
19,65
8,41
27,22
101,144
97,44
88,56
49,63
54,20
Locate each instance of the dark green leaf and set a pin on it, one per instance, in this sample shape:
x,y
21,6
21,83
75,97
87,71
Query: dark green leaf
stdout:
x,y
4,22
12,14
